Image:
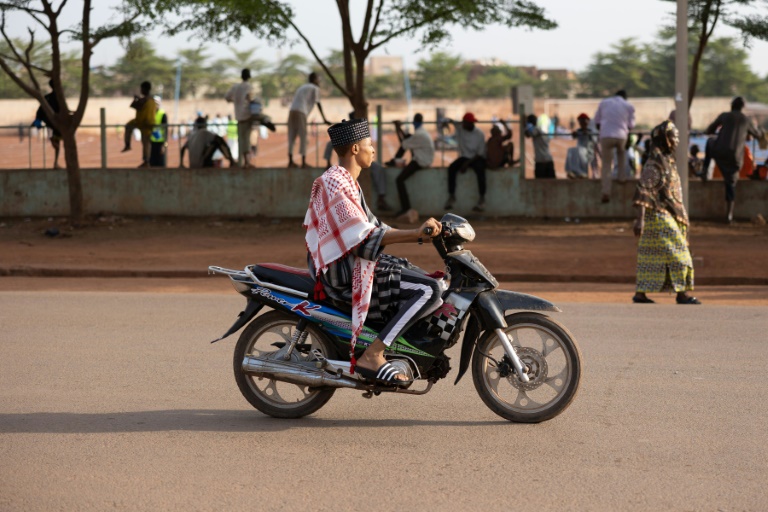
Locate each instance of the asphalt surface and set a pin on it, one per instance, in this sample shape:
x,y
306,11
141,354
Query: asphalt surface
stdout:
x,y
114,400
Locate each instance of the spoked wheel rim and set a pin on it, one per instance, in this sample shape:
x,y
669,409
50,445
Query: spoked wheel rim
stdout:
x,y
277,393
545,356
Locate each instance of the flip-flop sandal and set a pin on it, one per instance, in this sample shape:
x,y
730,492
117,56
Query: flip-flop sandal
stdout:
x,y
384,374
643,300
689,300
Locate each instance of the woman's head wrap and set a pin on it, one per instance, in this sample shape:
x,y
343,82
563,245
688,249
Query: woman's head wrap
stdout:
x,y
661,134
348,132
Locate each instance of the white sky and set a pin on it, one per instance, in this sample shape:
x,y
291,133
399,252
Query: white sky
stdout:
x,y
585,27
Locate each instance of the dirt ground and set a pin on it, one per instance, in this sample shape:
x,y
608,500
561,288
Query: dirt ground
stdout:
x,y
590,261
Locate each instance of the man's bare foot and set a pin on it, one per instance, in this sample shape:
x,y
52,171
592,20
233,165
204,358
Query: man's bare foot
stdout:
x,y
56,166
306,166
143,164
126,148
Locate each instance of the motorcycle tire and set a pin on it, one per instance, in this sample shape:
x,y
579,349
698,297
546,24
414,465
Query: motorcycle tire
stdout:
x,y
276,398
554,365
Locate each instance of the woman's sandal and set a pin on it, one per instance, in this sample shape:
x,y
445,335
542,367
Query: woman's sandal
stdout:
x,y
642,300
385,374
688,300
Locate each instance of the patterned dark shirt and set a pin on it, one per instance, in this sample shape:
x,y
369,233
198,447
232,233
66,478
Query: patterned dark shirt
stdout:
x,y
337,281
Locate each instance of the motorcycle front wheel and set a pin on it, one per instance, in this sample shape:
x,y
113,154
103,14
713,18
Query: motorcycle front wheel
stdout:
x,y
553,364
264,336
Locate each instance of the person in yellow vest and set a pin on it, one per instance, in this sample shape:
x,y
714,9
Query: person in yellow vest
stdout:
x,y
144,121
232,136
159,137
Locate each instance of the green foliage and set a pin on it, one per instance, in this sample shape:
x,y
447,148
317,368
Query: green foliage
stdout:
x,y
495,81
623,67
440,76
649,70
390,86
139,62
430,23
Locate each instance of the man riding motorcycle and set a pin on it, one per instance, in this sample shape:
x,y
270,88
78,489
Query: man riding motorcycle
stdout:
x,y
345,241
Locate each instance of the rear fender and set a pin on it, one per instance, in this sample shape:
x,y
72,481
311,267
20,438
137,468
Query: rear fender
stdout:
x,y
251,310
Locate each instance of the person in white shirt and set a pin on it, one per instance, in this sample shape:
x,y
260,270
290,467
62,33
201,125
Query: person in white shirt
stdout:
x,y
471,155
423,152
614,118
303,102
240,95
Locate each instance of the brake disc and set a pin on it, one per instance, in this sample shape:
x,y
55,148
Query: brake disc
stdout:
x,y
536,364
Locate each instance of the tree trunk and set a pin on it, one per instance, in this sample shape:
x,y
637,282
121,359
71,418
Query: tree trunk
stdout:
x,y
69,139
359,105
694,79
358,94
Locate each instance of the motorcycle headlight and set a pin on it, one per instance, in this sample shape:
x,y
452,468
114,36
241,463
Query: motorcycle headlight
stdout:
x,y
466,232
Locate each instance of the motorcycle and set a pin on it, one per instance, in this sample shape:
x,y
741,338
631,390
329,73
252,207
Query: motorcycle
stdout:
x,y
289,361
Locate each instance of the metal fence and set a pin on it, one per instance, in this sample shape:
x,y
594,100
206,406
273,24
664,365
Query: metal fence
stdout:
x,y
100,146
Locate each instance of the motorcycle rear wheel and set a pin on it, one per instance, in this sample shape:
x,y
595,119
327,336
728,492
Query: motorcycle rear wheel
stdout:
x,y
272,397
553,360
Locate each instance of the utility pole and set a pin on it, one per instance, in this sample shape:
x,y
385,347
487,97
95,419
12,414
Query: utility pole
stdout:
x,y
681,95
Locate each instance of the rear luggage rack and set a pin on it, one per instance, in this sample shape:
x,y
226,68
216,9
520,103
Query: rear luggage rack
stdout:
x,y
247,274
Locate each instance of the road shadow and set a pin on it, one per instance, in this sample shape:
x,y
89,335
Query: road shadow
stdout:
x,y
197,421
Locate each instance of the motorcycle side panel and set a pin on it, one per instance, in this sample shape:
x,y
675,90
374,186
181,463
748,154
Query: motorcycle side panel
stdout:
x,y
339,324
523,302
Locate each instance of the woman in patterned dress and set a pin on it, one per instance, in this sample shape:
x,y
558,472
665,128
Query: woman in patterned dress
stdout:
x,y
663,259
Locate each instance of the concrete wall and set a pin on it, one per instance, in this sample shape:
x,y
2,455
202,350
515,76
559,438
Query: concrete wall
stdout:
x,y
284,193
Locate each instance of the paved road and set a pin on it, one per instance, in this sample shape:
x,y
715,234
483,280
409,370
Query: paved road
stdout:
x,y
116,400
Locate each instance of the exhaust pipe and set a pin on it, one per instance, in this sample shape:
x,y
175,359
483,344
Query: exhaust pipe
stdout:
x,y
297,373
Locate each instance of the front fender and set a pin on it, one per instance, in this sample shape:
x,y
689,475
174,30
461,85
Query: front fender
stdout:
x,y
523,301
470,337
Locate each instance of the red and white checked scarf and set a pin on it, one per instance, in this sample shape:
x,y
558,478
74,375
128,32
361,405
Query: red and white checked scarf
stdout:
x,y
336,223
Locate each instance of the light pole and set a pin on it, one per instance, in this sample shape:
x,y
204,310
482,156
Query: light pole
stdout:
x,y
681,95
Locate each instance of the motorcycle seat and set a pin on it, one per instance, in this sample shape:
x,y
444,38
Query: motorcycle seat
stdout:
x,y
298,279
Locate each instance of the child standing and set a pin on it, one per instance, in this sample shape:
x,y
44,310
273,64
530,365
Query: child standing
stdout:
x,y
545,167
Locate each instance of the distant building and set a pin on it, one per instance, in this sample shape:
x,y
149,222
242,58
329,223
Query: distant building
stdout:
x,y
383,65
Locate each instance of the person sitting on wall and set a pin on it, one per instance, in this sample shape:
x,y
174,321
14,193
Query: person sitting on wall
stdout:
x,y
202,144
423,152
500,152
471,143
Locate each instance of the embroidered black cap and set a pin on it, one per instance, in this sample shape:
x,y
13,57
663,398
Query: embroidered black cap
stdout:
x,y
348,132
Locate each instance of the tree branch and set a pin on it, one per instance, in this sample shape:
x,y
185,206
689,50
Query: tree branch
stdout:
x,y
333,79
86,64
27,54
28,10
366,23
714,20
22,85
18,58
409,28
376,22
348,44
46,72
61,7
